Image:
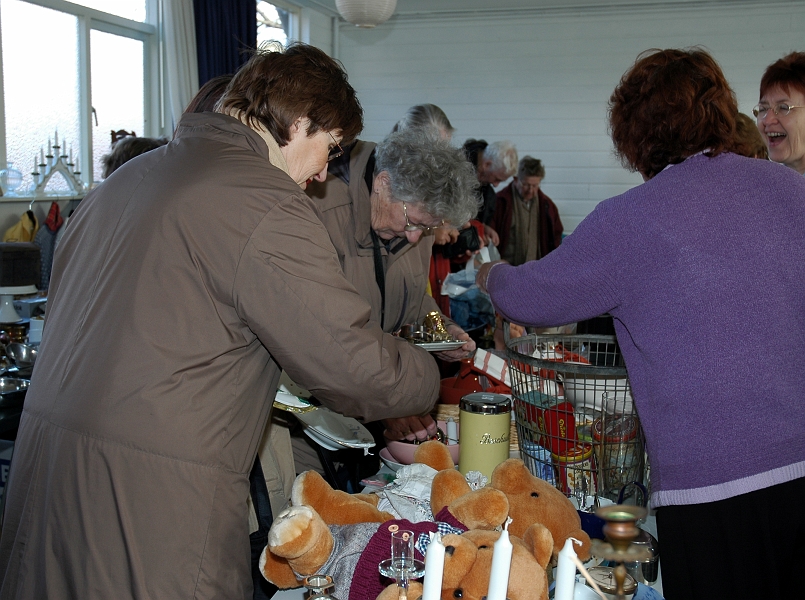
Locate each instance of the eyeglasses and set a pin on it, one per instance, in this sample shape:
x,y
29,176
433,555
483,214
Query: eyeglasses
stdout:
x,y
781,110
412,227
334,152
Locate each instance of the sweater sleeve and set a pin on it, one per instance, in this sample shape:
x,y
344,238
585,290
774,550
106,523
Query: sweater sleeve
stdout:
x,y
574,282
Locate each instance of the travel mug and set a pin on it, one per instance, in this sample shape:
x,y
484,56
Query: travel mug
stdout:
x,y
485,422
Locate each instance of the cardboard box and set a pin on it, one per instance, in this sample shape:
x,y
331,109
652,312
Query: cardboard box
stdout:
x,y
30,306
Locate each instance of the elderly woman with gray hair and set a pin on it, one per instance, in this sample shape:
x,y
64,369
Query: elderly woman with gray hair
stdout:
x,y
379,203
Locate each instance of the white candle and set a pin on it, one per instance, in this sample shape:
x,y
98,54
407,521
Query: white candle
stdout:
x,y
50,151
565,572
71,154
56,143
434,568
75,170
41,155
452,433
501,563
36,165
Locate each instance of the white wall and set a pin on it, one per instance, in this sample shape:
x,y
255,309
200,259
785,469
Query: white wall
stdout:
x,y
542,78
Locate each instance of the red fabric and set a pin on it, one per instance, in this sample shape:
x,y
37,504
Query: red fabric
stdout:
x,y
441,267
54,219
439,270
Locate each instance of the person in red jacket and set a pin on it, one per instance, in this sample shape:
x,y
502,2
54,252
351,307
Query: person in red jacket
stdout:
x,y
526,220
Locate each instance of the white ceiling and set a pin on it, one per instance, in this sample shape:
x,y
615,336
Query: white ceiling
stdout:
x,y
445,8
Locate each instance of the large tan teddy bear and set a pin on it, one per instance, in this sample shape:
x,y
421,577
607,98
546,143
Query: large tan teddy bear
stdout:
x,y
330,532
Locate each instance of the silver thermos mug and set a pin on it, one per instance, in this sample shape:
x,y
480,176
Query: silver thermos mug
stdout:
x,y
485,423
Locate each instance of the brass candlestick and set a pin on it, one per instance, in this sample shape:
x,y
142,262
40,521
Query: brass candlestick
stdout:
x,y
620,530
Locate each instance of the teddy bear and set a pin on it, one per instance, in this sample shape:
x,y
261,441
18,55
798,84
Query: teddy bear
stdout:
x,y
346,536
350,554
531,500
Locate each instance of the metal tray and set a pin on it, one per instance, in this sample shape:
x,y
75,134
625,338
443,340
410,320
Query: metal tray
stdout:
x,y
12,391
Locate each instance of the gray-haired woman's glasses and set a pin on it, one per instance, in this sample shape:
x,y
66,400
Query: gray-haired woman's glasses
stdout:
x,y
413,227
334,152
781,110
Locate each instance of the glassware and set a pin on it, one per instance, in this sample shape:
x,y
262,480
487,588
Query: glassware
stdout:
x,y
402,566
10,178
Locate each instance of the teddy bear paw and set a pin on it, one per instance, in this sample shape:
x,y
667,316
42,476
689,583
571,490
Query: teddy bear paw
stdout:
x,y
292,531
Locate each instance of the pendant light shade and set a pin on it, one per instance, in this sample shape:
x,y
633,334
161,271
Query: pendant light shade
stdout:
x,y
366,13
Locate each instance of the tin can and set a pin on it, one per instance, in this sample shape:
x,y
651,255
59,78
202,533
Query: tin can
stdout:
x,y
485,425
619,450
575,470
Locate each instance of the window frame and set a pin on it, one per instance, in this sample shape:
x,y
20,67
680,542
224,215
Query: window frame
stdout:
x,y
91,19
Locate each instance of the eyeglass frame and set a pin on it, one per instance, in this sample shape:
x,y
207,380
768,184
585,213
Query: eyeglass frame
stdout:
x,y
756,110
332,154
411,227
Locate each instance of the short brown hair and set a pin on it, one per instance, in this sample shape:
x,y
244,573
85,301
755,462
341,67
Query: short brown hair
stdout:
x,y
208,95
670,105
530,167
787,73
127,148
275,88
747,138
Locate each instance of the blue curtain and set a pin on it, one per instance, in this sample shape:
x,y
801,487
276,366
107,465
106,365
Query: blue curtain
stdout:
x,y
225,31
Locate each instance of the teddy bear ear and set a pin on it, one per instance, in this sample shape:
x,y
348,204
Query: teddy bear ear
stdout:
x,y
434,454
538,539
511,475
459,557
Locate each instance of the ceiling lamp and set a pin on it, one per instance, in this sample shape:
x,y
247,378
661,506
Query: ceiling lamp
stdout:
x,y
366,13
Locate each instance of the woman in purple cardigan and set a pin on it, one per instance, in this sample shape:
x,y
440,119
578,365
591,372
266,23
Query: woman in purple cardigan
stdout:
x,y
702,268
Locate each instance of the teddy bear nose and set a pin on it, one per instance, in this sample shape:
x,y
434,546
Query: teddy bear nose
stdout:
x,y
458,593
534,495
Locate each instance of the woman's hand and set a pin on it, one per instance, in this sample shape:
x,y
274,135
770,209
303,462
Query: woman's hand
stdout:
x,y
410,428
491,236
445,235
465,351
483,274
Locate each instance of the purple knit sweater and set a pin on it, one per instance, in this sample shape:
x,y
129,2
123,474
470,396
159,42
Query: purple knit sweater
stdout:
x,y
703,270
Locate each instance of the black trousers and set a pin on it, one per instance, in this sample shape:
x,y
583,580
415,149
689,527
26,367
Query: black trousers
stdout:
x,y
263,590
747,547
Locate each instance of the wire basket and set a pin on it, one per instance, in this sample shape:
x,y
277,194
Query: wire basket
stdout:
x,y
576,421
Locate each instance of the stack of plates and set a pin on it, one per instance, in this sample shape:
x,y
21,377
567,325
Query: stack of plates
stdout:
x,y
325,427
334,431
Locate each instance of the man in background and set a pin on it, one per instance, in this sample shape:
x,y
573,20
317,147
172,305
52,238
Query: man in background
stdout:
x,y
494,163
526,220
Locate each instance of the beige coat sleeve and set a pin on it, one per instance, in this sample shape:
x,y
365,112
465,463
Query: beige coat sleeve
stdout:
x,y
291,292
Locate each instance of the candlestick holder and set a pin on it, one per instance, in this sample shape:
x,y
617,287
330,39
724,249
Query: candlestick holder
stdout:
x,y
318,587
621,530
402,566
56,162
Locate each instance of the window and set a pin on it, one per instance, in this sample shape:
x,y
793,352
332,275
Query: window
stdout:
x,y
73,71
274,23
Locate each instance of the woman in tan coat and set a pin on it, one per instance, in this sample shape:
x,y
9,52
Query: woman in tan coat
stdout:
x,y
183,285
380,204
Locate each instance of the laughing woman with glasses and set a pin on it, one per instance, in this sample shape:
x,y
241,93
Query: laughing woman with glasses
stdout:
x,y
380,203
780,115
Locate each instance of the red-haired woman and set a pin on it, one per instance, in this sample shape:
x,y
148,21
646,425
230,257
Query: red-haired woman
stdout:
x,y
702,268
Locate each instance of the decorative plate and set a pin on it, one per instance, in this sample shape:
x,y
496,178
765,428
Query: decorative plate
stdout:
x,y
439,346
